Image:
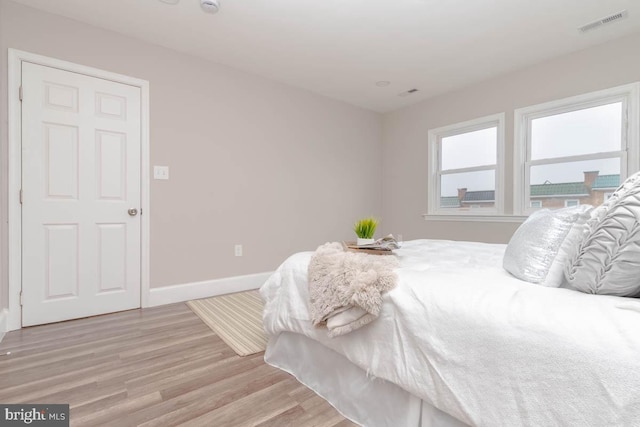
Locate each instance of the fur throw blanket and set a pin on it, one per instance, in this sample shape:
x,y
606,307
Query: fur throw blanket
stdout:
x,y
345,288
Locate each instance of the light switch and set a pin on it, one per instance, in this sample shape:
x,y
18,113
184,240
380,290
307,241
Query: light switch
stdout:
x,y
161,172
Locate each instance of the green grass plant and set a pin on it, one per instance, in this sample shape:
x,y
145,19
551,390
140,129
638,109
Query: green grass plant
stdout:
x,y
366,227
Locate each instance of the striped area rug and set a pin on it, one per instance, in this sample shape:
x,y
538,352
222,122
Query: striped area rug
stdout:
x,y
236,318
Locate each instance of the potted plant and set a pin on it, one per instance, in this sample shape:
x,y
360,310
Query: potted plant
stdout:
x,y
365,229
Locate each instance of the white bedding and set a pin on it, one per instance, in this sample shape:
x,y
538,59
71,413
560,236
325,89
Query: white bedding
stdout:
x,y
491,350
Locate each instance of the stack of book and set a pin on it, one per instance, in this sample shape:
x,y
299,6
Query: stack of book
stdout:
x,y
383,246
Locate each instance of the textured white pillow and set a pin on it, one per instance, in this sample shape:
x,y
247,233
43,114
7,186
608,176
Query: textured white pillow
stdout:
x,y
541,246
608,259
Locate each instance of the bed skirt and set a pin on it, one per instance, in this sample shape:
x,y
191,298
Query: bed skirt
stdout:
x,y
363,399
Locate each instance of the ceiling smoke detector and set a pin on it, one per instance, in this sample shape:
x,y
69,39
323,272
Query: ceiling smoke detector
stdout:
x,y
210,6
606,20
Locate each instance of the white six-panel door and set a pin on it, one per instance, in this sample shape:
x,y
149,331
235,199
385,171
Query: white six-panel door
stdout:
x,y
80,177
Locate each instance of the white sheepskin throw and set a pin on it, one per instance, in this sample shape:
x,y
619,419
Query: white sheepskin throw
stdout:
x,y
345,288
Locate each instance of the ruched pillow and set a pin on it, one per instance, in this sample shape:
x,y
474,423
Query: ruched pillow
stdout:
x,y
540,247
607,261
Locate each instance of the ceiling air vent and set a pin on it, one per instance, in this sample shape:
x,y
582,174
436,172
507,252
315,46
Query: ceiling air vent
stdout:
x,y
606,20
407,93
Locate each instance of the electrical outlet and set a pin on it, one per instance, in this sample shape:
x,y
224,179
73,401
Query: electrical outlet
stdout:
x,y
238,250
161,172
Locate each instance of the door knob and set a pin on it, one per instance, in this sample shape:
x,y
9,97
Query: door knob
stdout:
x,y
133,211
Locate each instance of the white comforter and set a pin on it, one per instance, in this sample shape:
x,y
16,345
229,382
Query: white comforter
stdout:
x,y
462,334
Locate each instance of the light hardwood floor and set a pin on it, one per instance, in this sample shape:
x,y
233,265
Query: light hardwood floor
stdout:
x,y
153,367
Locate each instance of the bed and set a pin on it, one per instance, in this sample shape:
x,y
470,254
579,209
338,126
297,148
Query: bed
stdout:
x,y
460,341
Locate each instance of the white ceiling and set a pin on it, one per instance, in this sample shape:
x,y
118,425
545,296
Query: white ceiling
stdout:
x,y
340,48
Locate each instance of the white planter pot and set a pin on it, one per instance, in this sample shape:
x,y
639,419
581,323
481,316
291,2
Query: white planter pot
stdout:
x,y
365,241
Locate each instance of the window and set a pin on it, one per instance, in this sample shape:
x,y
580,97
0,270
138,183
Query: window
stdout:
x,y
535,204
465,168
570,152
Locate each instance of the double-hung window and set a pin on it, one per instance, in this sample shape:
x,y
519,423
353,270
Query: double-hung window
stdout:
x,y
465,168
575,151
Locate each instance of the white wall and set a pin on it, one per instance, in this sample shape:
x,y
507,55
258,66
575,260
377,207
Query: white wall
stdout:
x,y
4,281
405,131
253,161
276,168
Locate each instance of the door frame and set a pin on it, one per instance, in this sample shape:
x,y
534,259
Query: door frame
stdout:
x,y
16,58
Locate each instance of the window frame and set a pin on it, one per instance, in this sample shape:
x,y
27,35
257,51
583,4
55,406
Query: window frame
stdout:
x,y
531,202
571,203
435,161
629,153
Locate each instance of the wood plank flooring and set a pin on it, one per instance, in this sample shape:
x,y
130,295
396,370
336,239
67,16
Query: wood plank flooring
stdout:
x,y
159,366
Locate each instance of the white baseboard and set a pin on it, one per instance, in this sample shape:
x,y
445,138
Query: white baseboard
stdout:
x,y
4,315
205,289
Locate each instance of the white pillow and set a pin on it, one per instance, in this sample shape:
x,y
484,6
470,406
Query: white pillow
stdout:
x,y
543,244
608,259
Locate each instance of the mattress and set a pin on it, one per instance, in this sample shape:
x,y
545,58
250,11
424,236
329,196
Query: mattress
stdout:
x,y
461,334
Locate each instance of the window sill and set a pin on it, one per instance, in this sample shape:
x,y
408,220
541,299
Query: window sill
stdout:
x,y
475,218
